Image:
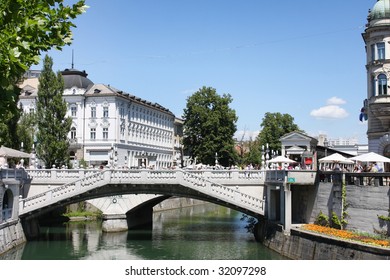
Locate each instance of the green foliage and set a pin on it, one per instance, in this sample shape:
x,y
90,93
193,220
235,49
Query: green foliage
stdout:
x,y
53,126
344,221
27,29
384,218
26,130
209,127
273,127
254,154
250,223
322,220
83,163
336,223
9,119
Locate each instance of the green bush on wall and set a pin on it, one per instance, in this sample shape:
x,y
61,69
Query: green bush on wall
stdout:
x,y
322,220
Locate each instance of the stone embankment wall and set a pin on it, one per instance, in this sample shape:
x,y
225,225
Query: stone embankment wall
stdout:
x,y
363,205
301,245
11,235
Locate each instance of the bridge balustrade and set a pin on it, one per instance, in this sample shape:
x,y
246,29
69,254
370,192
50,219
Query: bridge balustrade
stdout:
x,y
228,177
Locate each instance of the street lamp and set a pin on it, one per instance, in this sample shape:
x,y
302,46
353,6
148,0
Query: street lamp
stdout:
x,y
262,157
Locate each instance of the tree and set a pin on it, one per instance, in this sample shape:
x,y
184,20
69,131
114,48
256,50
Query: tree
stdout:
x,y
27,126
27,29
274,126
53,126
209,127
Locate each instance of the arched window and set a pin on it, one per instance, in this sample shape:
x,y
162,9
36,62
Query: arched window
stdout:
x,y
382,84
73,133
7,205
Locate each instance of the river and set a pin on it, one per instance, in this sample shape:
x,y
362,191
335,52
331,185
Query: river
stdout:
x,y
202,232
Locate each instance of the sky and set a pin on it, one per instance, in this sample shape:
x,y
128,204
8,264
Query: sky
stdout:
x,y
304,58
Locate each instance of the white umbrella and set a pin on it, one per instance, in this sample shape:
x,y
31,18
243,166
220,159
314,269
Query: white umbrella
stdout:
x,y
371,157
336,157
281,159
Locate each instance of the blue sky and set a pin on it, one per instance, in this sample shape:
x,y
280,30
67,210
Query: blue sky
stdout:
x,y
305,58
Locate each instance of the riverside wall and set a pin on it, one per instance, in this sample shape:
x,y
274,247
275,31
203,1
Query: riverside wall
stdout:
x,y
11,236
303,245
362,205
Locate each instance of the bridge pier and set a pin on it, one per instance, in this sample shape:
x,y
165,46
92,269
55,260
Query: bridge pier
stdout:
x,y
143,218
114,223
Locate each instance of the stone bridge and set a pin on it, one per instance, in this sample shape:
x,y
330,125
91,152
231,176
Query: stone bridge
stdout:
x,y
231,189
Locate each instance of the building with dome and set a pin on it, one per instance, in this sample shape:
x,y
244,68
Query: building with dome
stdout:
x,y
377,105
109,126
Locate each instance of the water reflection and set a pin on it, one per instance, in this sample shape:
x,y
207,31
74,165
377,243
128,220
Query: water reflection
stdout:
x,y
199,232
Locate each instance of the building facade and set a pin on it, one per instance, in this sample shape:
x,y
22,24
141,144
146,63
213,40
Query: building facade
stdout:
x,y
377,105
109,126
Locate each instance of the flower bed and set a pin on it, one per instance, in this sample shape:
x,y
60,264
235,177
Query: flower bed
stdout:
x,y
348,235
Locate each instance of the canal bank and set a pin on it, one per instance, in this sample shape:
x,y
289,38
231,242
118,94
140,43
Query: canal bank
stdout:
x,y
304,245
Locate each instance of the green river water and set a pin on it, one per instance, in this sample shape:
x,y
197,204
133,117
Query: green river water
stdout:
x,y
203,232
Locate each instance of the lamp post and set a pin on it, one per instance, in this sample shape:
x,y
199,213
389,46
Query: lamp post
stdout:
x,y
262,157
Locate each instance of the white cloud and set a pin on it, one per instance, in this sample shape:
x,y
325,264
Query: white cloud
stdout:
x,y
335,101
329,112
246,135
188,91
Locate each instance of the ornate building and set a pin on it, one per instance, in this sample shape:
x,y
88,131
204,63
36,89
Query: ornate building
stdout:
x,y
110,126
377,105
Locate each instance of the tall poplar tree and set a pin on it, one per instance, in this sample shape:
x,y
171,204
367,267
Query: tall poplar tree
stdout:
x,y
209,127
53,126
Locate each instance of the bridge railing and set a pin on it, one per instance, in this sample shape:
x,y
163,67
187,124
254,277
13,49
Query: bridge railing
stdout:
x,y
226,177
186,179
375,179
13,173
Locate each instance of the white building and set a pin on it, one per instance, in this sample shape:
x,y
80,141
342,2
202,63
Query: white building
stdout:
x,y
377,105
110,126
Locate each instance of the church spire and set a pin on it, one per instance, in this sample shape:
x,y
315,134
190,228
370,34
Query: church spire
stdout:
x,y
72,59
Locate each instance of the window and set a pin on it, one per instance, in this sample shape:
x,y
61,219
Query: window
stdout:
x,y
93,112
105,133
105,112
93,133
380,50
73,133
382,84
73,111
